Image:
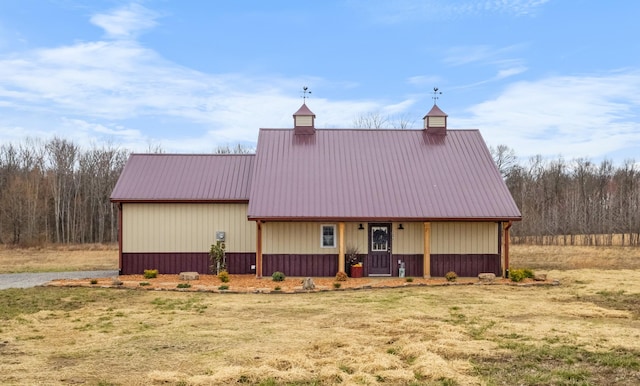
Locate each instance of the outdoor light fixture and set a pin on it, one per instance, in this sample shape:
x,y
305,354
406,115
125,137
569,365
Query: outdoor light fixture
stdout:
x,y
360,227
400,226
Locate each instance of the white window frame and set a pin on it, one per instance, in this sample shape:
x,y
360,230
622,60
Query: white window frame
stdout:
x,y
322,227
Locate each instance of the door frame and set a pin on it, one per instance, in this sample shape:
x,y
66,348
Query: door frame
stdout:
x,y
370,253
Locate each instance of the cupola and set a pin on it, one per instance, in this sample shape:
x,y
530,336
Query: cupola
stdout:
x,y
435,122
304,121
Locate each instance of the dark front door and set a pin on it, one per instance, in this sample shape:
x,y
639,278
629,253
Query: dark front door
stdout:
x,y
379,257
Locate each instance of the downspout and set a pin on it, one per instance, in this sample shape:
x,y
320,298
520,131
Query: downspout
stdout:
x,y
506,249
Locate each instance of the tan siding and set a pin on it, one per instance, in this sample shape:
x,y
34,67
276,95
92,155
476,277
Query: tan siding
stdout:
x,y
464,237
304,121
410,240
436,122
304,238
185,227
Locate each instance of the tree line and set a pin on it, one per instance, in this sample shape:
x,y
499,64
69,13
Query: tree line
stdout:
x,y
575,202
54,191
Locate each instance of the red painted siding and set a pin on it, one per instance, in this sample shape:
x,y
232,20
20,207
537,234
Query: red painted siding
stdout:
x,y
465,265
174,263
300,265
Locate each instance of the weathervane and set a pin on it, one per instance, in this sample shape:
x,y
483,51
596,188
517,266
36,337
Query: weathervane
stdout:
x,y
305,91
435,95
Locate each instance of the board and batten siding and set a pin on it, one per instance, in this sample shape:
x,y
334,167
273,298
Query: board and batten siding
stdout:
x,y
304,238
464,238
447,238
185,227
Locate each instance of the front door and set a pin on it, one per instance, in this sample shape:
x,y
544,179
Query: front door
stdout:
x,y
379,257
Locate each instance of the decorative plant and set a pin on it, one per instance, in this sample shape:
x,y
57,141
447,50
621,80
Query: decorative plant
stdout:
x,y
150,273
216,256
518,275
451,276
183,285
337,285
223,287
224,276
351,255
278,276
341,276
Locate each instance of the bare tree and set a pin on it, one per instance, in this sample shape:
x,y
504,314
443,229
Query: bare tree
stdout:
x,y
505,159
237,149
371,121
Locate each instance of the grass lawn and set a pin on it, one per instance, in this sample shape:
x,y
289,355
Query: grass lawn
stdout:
x,y
584,332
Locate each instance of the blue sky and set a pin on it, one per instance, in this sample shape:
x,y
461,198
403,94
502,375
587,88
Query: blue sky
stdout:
x,y
548,77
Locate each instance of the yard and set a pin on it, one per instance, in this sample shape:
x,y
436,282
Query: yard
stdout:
x,y
585,331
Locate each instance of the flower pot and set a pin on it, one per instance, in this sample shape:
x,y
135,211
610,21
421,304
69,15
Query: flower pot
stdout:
x,y
356,271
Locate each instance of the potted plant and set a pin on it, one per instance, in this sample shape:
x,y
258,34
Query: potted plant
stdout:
x,y
351,258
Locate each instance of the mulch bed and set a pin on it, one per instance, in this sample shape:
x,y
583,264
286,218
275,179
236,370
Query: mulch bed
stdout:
x,y
251,284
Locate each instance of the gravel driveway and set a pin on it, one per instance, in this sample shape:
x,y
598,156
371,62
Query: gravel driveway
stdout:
x,y
27,280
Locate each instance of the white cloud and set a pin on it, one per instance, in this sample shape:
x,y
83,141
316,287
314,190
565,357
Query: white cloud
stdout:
x,y
400,11
573,116
126,22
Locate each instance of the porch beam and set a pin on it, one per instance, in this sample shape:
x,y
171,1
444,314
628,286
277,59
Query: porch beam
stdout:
x,y
259,249
426,262
341,250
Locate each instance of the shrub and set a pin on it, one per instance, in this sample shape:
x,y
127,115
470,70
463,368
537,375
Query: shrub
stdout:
x,y
224,276
150,273
144,283
223,287
409,280
278,276
341,276
216,257
337,285
519,275
183,285
278,288
451,276
94,281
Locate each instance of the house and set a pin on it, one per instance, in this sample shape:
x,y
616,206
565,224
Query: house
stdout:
x,y
427,200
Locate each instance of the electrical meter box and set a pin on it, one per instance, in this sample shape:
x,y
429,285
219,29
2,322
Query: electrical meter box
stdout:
x,y
220,236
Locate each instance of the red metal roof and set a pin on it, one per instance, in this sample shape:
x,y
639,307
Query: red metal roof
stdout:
x,y
185,177
377,174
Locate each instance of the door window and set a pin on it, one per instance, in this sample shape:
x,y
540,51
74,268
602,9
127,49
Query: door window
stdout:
x,y
379,238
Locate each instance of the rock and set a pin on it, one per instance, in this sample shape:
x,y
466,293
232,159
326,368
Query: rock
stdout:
x,y
308,284
487,277
116,281
189,276
540,277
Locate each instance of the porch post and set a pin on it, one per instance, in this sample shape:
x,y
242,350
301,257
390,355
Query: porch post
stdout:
x,y
341,247
426,261
506,247
120,238
259,250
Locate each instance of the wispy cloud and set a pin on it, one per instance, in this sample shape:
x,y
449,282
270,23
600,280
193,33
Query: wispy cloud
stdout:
x,y
590,116
114,88
399,11
126,22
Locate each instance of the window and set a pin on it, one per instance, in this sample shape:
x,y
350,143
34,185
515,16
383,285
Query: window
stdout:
x,y
328,236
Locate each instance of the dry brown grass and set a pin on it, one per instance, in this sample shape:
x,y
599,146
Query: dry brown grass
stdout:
x,y
574,257
58,258
585,331
419,335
